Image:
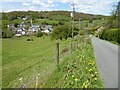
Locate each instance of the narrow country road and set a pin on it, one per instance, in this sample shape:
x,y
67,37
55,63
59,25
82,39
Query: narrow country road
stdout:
x,y
106,55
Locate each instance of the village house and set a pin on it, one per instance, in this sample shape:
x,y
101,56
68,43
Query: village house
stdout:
x,y
21,29
23,25
47,29
33,28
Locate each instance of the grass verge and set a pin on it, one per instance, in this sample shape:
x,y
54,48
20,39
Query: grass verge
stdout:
x,y
78,70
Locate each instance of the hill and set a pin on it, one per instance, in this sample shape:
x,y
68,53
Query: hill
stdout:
x,y
52,15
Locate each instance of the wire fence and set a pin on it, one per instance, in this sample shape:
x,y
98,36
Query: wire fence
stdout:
x,y
61,50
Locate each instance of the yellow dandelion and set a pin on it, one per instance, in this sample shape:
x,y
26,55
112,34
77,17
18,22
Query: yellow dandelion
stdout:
x,y
72,76
95,79
84,85
76,79
92,75
90,69
91,62
96,72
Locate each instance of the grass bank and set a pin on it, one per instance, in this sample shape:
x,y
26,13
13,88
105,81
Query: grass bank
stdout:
x,y
78,70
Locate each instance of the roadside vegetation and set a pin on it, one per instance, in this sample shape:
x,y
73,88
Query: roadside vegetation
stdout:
x,y
78,70
111,35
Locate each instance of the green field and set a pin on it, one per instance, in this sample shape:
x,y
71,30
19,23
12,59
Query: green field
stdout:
x,y
23,59
0,63
32,63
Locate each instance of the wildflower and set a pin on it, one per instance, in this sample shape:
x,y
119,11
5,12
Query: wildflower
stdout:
x,y
76,79
84,85
96,72
91,62
92,75
20,79
90,69
95,79
72,76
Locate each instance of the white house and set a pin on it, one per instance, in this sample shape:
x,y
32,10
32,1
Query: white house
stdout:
x,y
18,35
46,31
33,28
23,24
49,27
19,32
24,18
23,32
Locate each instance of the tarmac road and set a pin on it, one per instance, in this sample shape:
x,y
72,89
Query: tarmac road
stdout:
x,y
106,55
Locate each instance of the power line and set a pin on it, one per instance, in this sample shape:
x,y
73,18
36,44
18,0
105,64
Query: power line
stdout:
x,y
73,5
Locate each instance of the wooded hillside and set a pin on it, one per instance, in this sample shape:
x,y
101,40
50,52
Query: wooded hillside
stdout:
x,y
52,15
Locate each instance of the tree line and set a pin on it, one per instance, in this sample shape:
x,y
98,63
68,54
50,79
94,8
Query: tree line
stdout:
x,y
52,15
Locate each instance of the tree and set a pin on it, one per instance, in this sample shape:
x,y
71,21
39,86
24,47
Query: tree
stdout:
x,y
16,25
116,16
63,32
61,23
118,13
7,33
39,34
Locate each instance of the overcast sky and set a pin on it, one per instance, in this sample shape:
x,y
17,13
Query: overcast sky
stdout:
x,y
103,7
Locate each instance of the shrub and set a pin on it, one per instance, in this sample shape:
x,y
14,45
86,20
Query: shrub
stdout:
x,y
82,32
39,34
110,35
7,33
61,23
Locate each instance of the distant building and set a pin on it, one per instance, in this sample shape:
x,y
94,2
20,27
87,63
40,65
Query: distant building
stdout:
x,y
26,29
23,25
24,18
19,32
33,28
48,27
31,24
46,31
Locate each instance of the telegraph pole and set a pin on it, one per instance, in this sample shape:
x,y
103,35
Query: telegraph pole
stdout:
x,y
73,5
79,26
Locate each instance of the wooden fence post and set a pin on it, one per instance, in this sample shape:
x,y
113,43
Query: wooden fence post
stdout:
x,y
70,47
77,44
57,53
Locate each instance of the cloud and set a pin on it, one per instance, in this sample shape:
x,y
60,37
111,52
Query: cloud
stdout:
x,y
32,8
94,6
26,4
85,6
15,0
44,5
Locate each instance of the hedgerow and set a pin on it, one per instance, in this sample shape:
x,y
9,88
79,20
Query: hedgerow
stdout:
x,y
110,35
